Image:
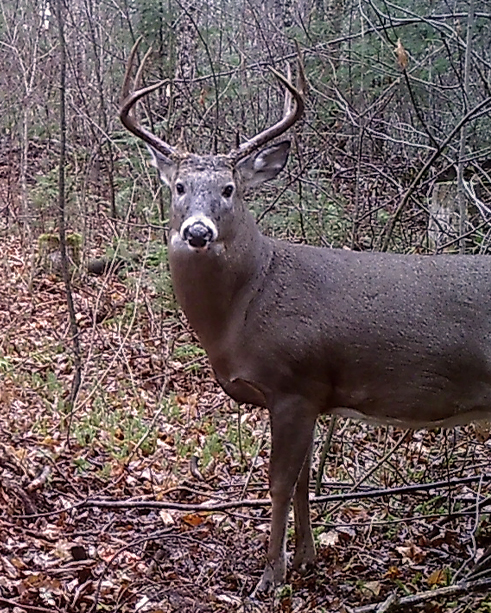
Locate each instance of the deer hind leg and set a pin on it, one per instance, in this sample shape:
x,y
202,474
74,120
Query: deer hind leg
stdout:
x,y
292,428
304,546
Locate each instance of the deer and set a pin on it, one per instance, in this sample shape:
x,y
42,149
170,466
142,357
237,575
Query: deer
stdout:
x,y
305,331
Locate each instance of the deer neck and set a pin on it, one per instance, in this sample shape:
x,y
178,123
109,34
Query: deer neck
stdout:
x,y
210,285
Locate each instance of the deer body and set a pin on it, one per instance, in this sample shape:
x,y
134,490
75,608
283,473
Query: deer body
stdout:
x,y
302,330
395,339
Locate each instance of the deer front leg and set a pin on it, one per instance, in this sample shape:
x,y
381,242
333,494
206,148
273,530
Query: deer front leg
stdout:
x,y
304,545
292,428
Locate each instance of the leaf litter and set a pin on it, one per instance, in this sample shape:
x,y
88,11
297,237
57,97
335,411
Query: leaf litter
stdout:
x,y
151,425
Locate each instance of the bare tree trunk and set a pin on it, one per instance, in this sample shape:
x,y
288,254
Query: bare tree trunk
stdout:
x,y
24,216
463,132
186,42
98,50
60,9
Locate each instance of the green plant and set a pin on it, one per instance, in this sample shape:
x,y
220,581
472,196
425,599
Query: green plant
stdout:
x,y
117,430
285,591
189,355
213,448
5,364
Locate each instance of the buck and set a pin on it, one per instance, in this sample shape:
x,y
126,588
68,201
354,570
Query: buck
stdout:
x,y
304,331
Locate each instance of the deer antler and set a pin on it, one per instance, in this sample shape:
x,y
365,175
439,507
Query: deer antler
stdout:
x,y
290,115
129,100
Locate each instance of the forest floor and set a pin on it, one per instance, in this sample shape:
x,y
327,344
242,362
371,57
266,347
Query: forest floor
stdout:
x,y
90,495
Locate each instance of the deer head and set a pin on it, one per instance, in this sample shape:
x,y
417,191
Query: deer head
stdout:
x,y
207,190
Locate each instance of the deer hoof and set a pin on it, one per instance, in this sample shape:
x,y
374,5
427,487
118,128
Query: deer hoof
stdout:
x,y
304,556
272,577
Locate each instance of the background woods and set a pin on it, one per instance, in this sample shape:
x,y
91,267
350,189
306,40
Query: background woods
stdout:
x,y
397,93
394,153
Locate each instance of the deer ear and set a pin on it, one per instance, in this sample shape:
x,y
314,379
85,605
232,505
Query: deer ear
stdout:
x,y
165,165
264,165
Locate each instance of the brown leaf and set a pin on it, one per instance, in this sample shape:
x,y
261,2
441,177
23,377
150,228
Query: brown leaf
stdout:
x,y
193,519
411,553
402,55
393,573
370,588
438,577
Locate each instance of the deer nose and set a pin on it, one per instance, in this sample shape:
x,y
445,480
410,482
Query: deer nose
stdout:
x,y
197,235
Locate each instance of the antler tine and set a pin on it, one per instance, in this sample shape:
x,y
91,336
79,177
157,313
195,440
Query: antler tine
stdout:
x,y
125,90
129,100
289,117
139,72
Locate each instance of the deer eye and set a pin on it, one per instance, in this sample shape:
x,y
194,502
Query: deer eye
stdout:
x,y
179,188
228,190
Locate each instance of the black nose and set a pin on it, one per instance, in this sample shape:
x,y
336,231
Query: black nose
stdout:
x,y
198,235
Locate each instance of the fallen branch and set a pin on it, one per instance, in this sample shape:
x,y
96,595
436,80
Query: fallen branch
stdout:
x,y
464,587
211,507
264,502
15,605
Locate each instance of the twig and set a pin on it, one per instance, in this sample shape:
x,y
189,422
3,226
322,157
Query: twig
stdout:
x,y
254,459
473,113
403,439
14,605
325,449
387,604
39,481
444,592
